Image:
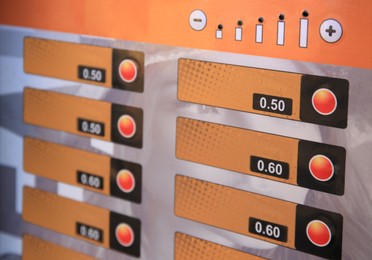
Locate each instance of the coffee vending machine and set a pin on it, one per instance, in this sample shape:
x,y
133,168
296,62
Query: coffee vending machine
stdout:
x,y
186,130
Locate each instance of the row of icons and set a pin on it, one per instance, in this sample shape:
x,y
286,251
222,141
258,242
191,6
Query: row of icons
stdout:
x,y
330,30
128,71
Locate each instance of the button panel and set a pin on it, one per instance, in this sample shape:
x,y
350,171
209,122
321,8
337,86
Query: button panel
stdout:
x,y
301,97
106,67
92,171
276,221
77,219
111,122
261,154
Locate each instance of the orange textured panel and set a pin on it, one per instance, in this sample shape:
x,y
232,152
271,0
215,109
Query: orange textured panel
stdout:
x,y
191,248
230,209
36,248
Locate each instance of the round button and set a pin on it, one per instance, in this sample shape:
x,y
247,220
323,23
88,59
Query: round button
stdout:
x,y
127,126
318,233
321,168
125,181
128,70
324,101
331,30
197,20
124,235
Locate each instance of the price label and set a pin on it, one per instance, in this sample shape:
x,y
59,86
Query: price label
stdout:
x,y
91,127
269,167
90,180
89,232
92,74
272,104
268,229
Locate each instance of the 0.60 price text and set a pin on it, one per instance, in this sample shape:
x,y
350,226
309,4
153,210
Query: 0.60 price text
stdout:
x,y
268,229
89,232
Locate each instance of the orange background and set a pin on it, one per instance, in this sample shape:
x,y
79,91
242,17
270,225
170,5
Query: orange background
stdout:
x,y
166,22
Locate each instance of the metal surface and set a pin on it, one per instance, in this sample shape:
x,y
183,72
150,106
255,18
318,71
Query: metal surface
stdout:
x,y
157,157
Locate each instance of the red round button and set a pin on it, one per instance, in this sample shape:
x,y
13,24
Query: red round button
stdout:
x,y
321,168
128,70
125,181
124,235
318,233
324,101
127,126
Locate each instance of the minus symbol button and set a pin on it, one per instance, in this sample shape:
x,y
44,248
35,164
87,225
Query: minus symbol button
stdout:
x,y
197,20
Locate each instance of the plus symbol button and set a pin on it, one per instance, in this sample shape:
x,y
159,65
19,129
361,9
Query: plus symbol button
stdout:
x,y
330,31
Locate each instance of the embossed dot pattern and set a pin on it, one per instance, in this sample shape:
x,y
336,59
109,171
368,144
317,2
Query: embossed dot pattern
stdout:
x,y
61,215
61,112
61,59
232,87
192,248
35,248
230,147
230,208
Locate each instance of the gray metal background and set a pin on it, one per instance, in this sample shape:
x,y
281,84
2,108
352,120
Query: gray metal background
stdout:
x,y
157,157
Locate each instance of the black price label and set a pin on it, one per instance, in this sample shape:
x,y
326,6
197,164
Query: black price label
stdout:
x,y
90,180
273,104
91,127
268,229
89,232
92,74
270,167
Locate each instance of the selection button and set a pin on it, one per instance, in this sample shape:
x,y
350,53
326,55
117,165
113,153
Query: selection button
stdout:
x,y
124,235
324,101
127,126
318,233
321,168
331,31
197,20
128,70
125,181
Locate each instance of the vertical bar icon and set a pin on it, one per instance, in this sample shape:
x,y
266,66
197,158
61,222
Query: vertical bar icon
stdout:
x,y
280,35
238,34
304,25
259,33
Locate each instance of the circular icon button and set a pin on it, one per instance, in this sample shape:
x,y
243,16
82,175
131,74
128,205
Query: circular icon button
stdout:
x,y
321,168
331,30
318,233
128,70
124,235
197,20
324,101
125,181
127,126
